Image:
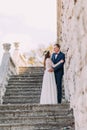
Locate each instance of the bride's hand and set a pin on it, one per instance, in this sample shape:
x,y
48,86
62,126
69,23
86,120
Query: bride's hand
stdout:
x,y
50,70
61,61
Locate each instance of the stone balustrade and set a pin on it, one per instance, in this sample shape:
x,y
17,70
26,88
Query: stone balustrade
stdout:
x,y
7,68
18,58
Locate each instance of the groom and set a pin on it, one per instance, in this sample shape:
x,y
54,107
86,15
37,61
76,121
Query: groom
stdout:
x,y
58,70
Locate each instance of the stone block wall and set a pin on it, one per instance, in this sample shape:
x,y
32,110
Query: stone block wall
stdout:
x,y
74,44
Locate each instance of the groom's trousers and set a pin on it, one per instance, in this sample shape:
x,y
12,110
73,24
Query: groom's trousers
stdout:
x,y
58,78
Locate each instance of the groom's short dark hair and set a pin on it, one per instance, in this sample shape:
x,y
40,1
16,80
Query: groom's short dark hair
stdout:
x,y
57,45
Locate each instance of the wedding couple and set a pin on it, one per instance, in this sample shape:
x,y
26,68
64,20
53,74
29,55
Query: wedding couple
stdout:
x,y
52,80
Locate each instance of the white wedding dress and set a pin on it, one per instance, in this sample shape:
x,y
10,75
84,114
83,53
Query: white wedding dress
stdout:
x,y
49,88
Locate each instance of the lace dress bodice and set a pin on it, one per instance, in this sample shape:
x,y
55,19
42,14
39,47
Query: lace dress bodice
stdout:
x,y
48,63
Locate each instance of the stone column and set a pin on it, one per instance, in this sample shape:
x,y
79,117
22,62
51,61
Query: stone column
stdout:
x,y
6,47
16,52
16,45
6,55
3,68
16,55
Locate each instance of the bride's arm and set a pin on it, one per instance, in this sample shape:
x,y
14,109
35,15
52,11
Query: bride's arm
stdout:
x,y
54,65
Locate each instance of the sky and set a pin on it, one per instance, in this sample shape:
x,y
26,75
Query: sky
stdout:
x,y
29,22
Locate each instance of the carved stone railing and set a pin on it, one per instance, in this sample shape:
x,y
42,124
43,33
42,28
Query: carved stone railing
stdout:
x,y
18,58
7,69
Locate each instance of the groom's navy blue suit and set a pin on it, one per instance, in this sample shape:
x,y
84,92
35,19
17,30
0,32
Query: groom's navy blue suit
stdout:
x,y
59,71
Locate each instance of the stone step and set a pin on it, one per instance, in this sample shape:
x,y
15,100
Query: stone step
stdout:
x,y
30,69
22,93
26,91
29,82
26,76
31,74
18,96
30,113
22,87
25,85
26,79
30,90
46,119
37,126
33,107
25,82
21,99
21,102
26,101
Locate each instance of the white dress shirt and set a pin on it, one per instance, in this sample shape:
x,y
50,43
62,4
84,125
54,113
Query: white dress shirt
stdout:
x,y
57,55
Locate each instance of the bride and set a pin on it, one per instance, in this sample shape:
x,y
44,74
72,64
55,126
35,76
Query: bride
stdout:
x,y
49,88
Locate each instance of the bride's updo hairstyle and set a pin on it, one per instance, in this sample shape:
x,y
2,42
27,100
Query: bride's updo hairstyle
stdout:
x,y
47,55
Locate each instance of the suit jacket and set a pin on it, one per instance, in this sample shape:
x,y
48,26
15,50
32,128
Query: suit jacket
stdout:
x,y
60,68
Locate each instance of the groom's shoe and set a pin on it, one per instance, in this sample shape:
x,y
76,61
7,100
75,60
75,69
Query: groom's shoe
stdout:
x,y
59,102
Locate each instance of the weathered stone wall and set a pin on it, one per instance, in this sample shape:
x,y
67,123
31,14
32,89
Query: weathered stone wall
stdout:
x,y
59,23
74,43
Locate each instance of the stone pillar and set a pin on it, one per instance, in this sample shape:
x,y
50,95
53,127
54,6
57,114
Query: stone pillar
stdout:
x,y
16,54
6,55
6,47
16,45
3,68
59,21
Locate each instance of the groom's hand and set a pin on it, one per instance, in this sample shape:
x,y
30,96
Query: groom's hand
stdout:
x,y
51,70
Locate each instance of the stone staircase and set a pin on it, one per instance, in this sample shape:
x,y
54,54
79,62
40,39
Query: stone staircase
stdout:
x,y
23,89
21,109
